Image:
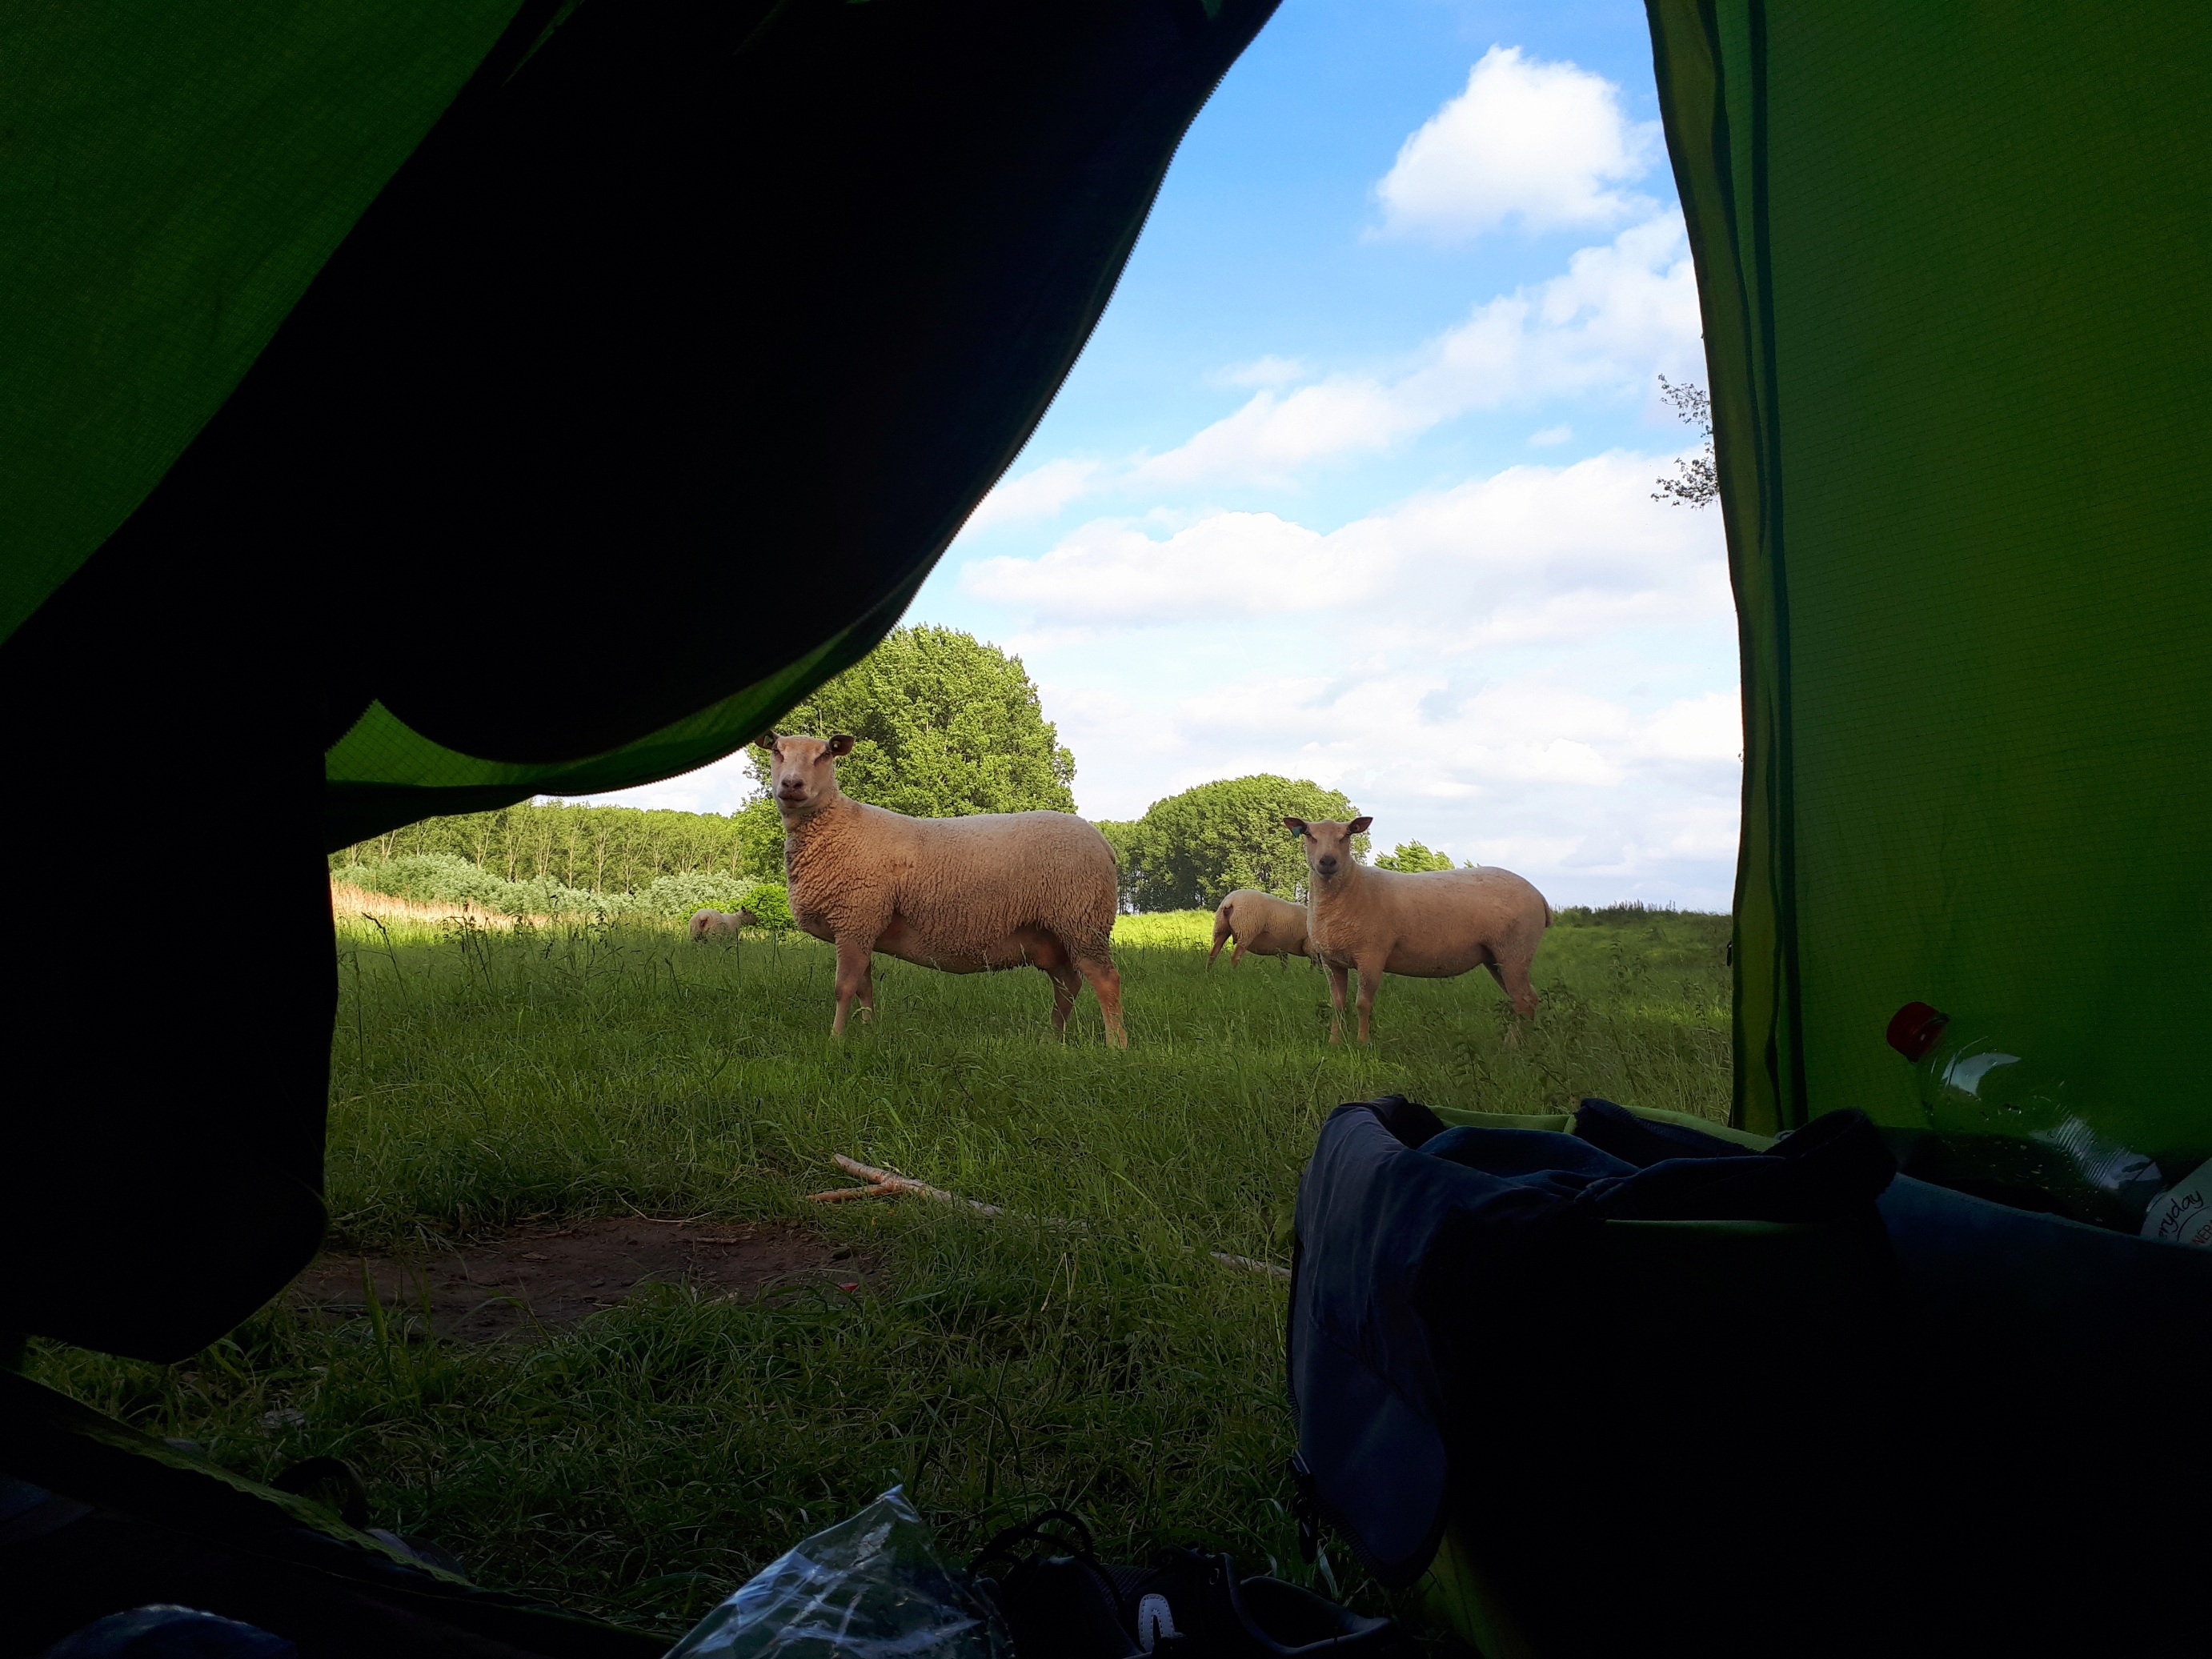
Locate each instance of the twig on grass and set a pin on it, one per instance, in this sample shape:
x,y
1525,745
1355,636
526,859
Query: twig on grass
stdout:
x,y
663,1220
885,1183
888,1182
1252,1262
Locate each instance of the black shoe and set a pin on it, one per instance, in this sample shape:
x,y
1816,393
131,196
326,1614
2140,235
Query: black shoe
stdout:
x,y
1188,1606
1056,1606
1194,1607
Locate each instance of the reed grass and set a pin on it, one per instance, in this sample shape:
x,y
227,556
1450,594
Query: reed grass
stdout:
x,y
354,910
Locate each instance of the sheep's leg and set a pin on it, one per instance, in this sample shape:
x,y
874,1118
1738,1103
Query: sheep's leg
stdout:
x,y
1370,981
1336,988
1513,978
1066,986
1105,979
1236,955
1221,926
853,980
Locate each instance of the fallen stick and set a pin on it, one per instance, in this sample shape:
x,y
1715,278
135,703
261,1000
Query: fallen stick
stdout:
x,y
1253,1263
886,1183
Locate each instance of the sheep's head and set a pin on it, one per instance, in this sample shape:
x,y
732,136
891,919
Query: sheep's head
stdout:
x,y
1327,845
802,774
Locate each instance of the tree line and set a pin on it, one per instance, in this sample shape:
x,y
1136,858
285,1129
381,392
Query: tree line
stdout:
x,y
1192,850
606,849
945,725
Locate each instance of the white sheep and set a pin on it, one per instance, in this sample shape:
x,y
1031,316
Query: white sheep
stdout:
x,y
1260,923
967,895
1435,924
720,924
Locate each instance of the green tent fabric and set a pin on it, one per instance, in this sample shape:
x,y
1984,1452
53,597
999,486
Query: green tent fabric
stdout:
x,y
830,259
429,405
1952,260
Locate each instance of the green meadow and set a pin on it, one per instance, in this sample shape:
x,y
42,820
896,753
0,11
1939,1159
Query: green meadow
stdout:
x,y
1084,1347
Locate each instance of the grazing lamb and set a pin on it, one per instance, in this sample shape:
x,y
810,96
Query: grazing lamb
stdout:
x,y
967,896
1435,925
1260,923
720,924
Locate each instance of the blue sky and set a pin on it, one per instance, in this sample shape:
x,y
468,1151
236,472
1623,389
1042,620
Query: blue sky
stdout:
x,y
1352,482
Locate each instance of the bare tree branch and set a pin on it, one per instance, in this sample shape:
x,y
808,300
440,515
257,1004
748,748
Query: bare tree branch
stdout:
x,y
1696,483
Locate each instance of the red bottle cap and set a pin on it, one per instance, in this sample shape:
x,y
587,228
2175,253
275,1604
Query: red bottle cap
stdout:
x,y
1914,1028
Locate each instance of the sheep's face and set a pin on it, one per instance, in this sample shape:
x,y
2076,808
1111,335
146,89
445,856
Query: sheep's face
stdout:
x,y
803,771
1328,845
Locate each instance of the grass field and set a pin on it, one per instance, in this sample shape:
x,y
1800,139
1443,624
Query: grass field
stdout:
x,y
640,1464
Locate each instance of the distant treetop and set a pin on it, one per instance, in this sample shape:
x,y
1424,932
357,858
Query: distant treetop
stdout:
x,y
1412,858
1193,850
946,726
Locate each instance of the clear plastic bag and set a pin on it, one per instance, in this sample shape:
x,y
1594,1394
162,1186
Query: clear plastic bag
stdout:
x,y
872,1586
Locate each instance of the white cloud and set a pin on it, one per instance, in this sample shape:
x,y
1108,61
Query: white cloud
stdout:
x,y
1543,143
1229,564
1619,314
1474,667
1534,553
1702,729
1037,494
1273,436
1551,435
721,786
1269,370
1569,787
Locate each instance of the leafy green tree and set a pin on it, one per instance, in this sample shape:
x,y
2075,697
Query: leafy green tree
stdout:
x,y
1412,856
760,840
1192,850
945,724
1122,836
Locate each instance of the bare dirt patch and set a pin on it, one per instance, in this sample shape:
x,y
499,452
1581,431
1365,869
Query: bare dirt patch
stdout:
x,y
517,1284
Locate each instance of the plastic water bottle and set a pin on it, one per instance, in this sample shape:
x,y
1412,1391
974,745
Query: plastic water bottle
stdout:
x,y
2009,1121
2183,1213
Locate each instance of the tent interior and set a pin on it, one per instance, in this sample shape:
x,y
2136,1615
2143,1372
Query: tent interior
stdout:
x,y
449,289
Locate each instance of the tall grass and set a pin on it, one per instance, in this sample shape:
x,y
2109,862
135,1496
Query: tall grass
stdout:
x,y
1164,928
645,1461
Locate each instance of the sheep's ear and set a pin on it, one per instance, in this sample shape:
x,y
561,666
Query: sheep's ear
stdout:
x,y
1296,826
766,740
1359,826
842,744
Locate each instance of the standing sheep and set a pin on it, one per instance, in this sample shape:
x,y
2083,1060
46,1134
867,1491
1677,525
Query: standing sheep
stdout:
x,y
1434,925
968,896
720,924
1260,923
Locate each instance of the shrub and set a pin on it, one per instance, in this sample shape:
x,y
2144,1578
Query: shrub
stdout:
x,y
770,903
675,898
